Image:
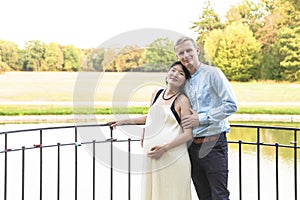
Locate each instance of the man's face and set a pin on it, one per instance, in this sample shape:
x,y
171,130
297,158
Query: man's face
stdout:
x,y
187,54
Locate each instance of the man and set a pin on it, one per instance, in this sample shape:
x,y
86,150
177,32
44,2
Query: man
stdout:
x,y
212,101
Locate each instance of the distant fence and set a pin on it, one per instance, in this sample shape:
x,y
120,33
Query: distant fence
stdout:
x,y
74,143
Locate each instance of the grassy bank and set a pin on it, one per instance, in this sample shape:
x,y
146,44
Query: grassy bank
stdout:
x,y
19,87
45,110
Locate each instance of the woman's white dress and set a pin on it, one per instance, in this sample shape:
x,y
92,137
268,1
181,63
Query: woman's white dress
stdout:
x,y
167,178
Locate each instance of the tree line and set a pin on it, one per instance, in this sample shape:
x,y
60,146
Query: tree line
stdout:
x,y
256,41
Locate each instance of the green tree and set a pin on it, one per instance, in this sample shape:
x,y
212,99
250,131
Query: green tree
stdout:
x,y
282,14
129,58
212,41
22,61
248,12
109,60
94,59
9,55
295,3
72,58
98,59
289,49
270,67
267,34
35,51
54,58
159,55
235,50
3,66
291,12
208,21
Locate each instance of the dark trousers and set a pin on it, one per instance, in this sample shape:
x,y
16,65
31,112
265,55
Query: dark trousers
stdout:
x,y
209,162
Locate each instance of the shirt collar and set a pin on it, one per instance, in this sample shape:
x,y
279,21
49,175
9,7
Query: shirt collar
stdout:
x,y
196,73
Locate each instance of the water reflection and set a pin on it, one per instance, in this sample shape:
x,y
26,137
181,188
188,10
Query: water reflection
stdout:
x,y
267,136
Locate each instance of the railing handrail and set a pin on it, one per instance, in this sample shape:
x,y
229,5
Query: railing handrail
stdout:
x,y
265,127
52,127
106,124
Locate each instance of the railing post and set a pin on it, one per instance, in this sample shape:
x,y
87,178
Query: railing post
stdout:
x,y
94,169
258,163
76,167
111,163
129,169
23,172
240,168
58,171
295,164
41,165
277,170
5,166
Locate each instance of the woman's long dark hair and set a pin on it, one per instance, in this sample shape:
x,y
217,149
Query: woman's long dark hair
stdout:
x,y
185,70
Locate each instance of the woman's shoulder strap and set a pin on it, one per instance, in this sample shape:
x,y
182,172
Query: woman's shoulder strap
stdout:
x,y
157,95
174,110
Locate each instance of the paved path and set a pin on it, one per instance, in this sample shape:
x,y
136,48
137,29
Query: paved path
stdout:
x,y
104,118
140,103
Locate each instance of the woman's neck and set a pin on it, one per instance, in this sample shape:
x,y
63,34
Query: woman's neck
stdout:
x,y
169,94
171,90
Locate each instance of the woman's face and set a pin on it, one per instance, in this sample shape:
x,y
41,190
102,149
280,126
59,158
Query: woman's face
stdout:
x,y
176,76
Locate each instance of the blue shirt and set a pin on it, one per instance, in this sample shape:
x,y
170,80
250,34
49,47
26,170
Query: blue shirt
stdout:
x,y
212,97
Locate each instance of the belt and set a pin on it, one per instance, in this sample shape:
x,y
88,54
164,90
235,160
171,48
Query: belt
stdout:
x,y
200,140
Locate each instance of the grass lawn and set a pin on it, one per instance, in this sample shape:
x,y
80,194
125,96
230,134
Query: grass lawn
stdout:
x,y
19,87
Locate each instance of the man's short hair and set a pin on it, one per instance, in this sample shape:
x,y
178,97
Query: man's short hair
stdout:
x,y
184,39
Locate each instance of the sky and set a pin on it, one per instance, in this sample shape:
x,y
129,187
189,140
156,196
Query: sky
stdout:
x,y
89,23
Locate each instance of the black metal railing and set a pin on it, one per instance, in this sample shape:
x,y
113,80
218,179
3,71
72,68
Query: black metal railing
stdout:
x,y
258,143
41,146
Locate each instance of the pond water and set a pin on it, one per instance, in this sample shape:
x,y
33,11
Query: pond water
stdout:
x,y
102,178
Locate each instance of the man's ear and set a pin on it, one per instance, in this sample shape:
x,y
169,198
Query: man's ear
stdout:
x,y
198,51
